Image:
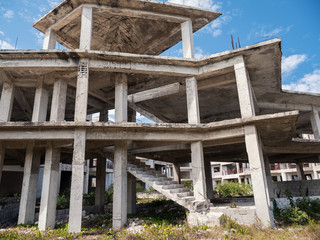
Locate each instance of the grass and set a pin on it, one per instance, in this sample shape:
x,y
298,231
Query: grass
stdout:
x,y
164,220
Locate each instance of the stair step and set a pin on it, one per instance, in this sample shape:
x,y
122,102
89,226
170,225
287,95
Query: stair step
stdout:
x,y
189,198
173,186
185,194
179,190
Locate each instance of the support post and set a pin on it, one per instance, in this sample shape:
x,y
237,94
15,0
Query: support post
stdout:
x,y
49,41
47,215
29,185
6,101
300,172
86,28
59,98
120,156
238,172
254,147
132,199
101,183
315,123
39,113
76,194
187,39
268,176
176,173
79,149
208,172
197,160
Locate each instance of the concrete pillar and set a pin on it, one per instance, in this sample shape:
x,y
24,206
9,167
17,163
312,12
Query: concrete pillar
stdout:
x,y
244,90
132,198
187,39
103,117
76,194
79,149
101,182
208,173
176,173
47,215
29,185
86,176
49,41
258,176
268,176
32,160
6,101
315,175
300,172
80,113
120,185
40,106
197,159
59,97
238,172
284,176
278,178
120,156
86,28
315,123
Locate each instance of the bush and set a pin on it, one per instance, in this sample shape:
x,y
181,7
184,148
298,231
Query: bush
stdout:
x,y
301,211
90,198
188,184
63,199
233,189
108,196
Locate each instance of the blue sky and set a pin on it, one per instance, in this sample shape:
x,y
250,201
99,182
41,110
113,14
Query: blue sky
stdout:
x,y
296,22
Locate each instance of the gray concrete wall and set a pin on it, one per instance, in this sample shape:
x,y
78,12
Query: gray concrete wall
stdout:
x,y
297,188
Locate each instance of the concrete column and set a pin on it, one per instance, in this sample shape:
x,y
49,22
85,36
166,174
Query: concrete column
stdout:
x,y
238,172
208,173
258,176
76,194
86,28
187,39
244,90
120,185
86,176
29,185
315,123
315,173
47,215
132,198
268,176
197,159
40,106
59,97
176,173
121,92
278,178
103,117
80,113
101,182
289,177
284,176
49,41
6,101
300,172
120,156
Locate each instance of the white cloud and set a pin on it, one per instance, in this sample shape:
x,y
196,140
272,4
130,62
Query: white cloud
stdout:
x,y
9,14
266,32
5,45
198,53
217,33
290,63
310,83
1,33
205,4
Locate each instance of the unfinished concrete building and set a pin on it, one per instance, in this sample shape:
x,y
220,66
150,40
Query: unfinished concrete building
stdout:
x,y
226,107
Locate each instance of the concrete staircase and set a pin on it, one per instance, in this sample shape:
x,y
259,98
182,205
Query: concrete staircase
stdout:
x,y
171,189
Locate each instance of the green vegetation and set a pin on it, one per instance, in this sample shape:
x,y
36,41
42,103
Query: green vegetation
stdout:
x,y
302,211
63,199
188,184
233,189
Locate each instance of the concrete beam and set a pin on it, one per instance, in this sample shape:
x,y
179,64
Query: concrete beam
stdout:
x,y
77,179
187,39
49,41
144,113
86,28
47,215
29,185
